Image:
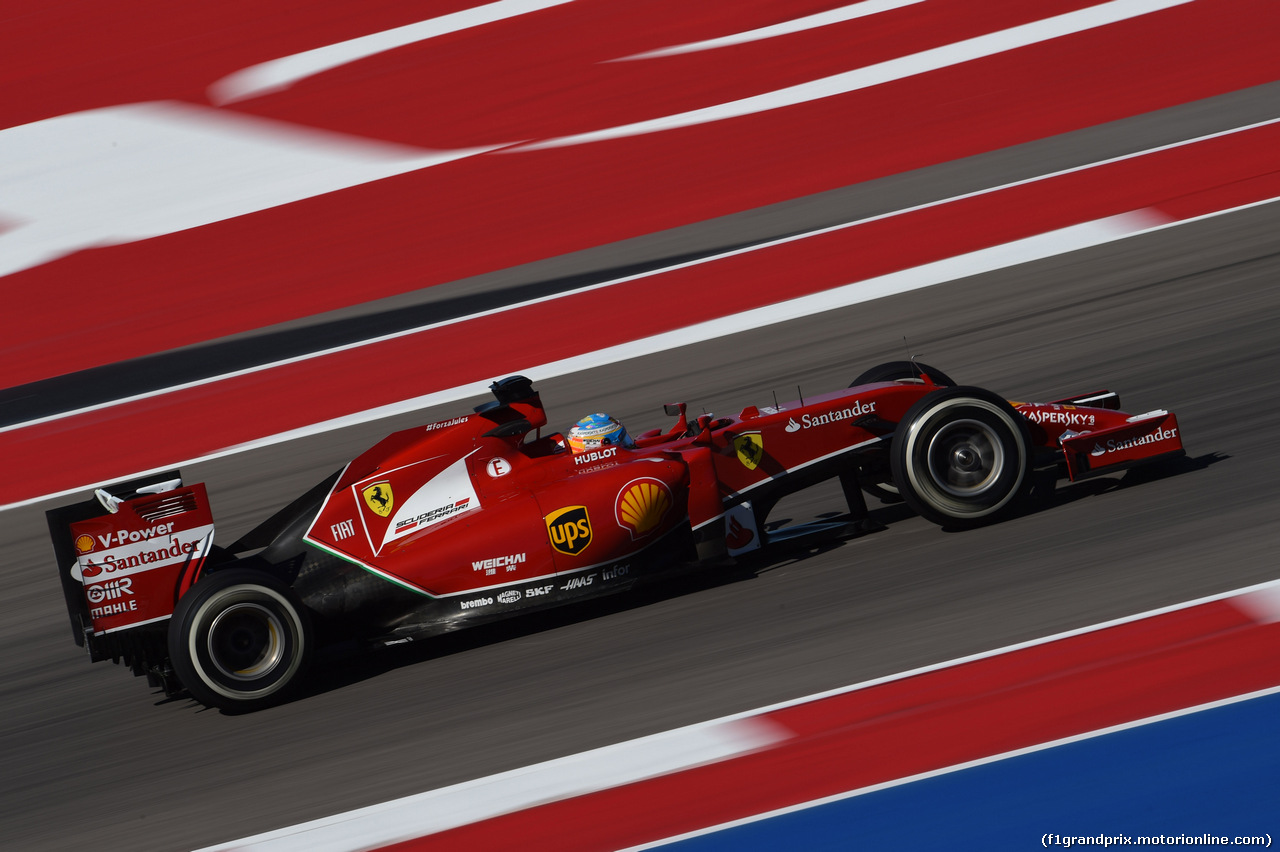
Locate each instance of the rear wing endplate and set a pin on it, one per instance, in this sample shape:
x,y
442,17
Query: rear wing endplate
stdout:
x,y
125,557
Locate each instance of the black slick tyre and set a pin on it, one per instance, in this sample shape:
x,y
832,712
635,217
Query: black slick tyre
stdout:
x,y
961,457
897,371
902,371
239,640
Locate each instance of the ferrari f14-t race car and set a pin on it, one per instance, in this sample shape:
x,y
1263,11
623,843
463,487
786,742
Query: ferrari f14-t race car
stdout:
x,y
481,517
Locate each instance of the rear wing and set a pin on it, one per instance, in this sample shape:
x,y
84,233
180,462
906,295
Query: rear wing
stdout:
x,y
125,557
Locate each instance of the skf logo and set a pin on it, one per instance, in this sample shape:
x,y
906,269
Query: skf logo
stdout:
x,y
642,505
750,449
84,543
569,529
379,498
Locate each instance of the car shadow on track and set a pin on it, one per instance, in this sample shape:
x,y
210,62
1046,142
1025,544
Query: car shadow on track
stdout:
x,y
340,666
1051,489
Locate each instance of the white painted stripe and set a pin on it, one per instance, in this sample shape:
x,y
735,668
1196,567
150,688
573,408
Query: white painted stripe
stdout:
x,y
875,788
479,388
1088,235
131,172
795,25
518,789
313,834
125,173
900,68
1262,605
278,74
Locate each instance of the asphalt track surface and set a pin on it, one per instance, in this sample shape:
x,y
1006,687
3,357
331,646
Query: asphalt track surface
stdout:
x,y
1183,319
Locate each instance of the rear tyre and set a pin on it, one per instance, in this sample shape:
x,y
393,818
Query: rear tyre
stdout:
x,y
239,640
961,457
900,371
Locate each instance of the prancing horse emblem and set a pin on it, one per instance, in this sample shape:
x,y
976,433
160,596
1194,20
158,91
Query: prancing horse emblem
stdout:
x,y
379,498
750,449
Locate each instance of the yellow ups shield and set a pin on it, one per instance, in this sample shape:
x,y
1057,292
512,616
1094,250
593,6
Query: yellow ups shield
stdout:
x,y
569,529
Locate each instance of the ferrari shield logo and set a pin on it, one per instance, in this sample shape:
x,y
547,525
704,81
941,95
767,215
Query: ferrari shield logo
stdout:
x,y
750,449
379,498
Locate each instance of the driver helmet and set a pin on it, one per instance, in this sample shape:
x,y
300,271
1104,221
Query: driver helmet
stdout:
x,y
598,430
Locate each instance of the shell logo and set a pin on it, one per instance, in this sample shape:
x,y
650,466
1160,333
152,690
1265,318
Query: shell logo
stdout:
x,y
641,506
84,543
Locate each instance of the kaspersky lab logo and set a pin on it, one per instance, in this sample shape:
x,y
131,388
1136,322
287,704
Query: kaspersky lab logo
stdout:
x,y
569,529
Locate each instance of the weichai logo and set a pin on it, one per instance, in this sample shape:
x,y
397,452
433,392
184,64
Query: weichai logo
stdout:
x,y
569,529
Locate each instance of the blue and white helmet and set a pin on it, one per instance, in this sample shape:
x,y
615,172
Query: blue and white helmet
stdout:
x,y
598,430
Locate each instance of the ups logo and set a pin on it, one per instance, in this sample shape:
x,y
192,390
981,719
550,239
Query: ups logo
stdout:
x,y
569,529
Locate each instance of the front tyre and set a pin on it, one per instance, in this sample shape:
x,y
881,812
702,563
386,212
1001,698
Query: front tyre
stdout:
x,y
897,371
903,371
239,640
961,457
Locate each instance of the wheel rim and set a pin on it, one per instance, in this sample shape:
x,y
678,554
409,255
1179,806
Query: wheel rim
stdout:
x,y
965,459
246,641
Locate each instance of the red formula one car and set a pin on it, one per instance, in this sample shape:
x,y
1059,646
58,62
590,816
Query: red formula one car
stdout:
x,y
482,517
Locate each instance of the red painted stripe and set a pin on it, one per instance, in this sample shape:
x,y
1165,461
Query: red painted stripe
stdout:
x,y
502,209
552,74
560,78
205,419
919,724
